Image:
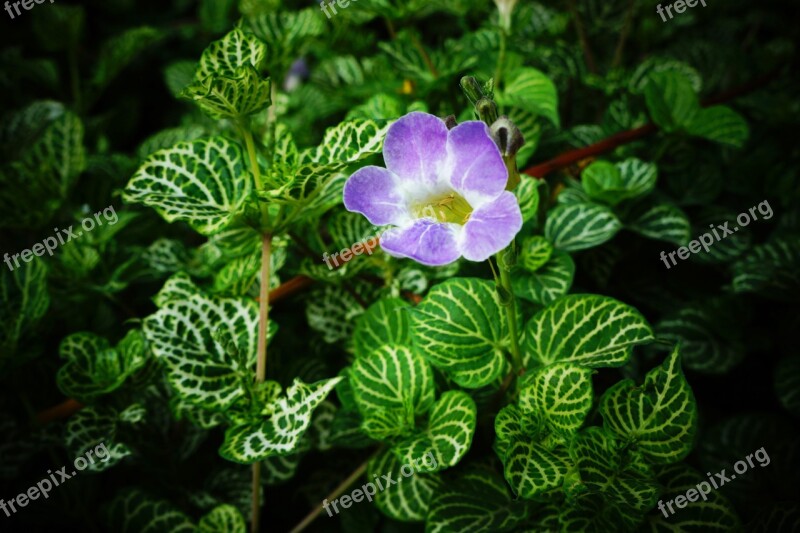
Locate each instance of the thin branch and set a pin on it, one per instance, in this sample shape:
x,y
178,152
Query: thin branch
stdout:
x,y
606,145
333,495
584,40
425,57
623,35
65,409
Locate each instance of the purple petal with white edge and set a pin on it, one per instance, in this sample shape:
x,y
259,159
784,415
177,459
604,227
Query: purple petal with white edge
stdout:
x,y
491,228
477,171
416,148
427,242
373,192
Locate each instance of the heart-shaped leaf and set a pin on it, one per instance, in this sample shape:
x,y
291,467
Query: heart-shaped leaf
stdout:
x,y
202,182
449,433
281,432
460,328
658,418
585,329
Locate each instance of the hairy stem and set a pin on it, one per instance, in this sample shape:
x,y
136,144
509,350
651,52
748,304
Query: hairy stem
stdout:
x,y
334,494
261,359
511,309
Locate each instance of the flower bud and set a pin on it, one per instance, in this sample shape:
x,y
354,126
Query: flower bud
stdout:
x,y
505,8
507,136
471,88
487,110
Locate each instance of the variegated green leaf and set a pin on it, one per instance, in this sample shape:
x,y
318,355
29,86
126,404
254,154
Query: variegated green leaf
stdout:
x,y
406,499
671,100
787,384
235,95
532,468
386,322
579,226
281,432
478,501
42,154
560,395
228,83
585,329
234,50
98,428
720,124
531,90
664,222
203,183
713,512
331,310
94,368
286,32
658,418
348,142
528,194
207,344
534,253
605,468
119,51
550,282
612,183
225,518
771,269
708,340
24,300
391,383
460,327
448,435
135,511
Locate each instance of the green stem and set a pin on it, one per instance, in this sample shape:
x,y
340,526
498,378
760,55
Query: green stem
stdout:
x,y
511,309
247,135
501,58
271,121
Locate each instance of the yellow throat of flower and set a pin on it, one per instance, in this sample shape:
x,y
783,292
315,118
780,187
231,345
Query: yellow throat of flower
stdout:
x,y
448,208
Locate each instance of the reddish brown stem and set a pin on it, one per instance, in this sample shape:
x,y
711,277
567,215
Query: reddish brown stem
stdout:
x,y
63,410
606,145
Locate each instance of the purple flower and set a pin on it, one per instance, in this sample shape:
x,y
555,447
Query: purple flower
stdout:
x,y
443,190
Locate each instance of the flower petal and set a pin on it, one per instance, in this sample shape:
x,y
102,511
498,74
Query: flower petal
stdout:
x,y
373,192
427,242
415,149
476,168
491,228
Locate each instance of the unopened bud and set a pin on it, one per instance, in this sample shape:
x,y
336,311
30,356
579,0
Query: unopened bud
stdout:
x,y
507,136
471,88
487,110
